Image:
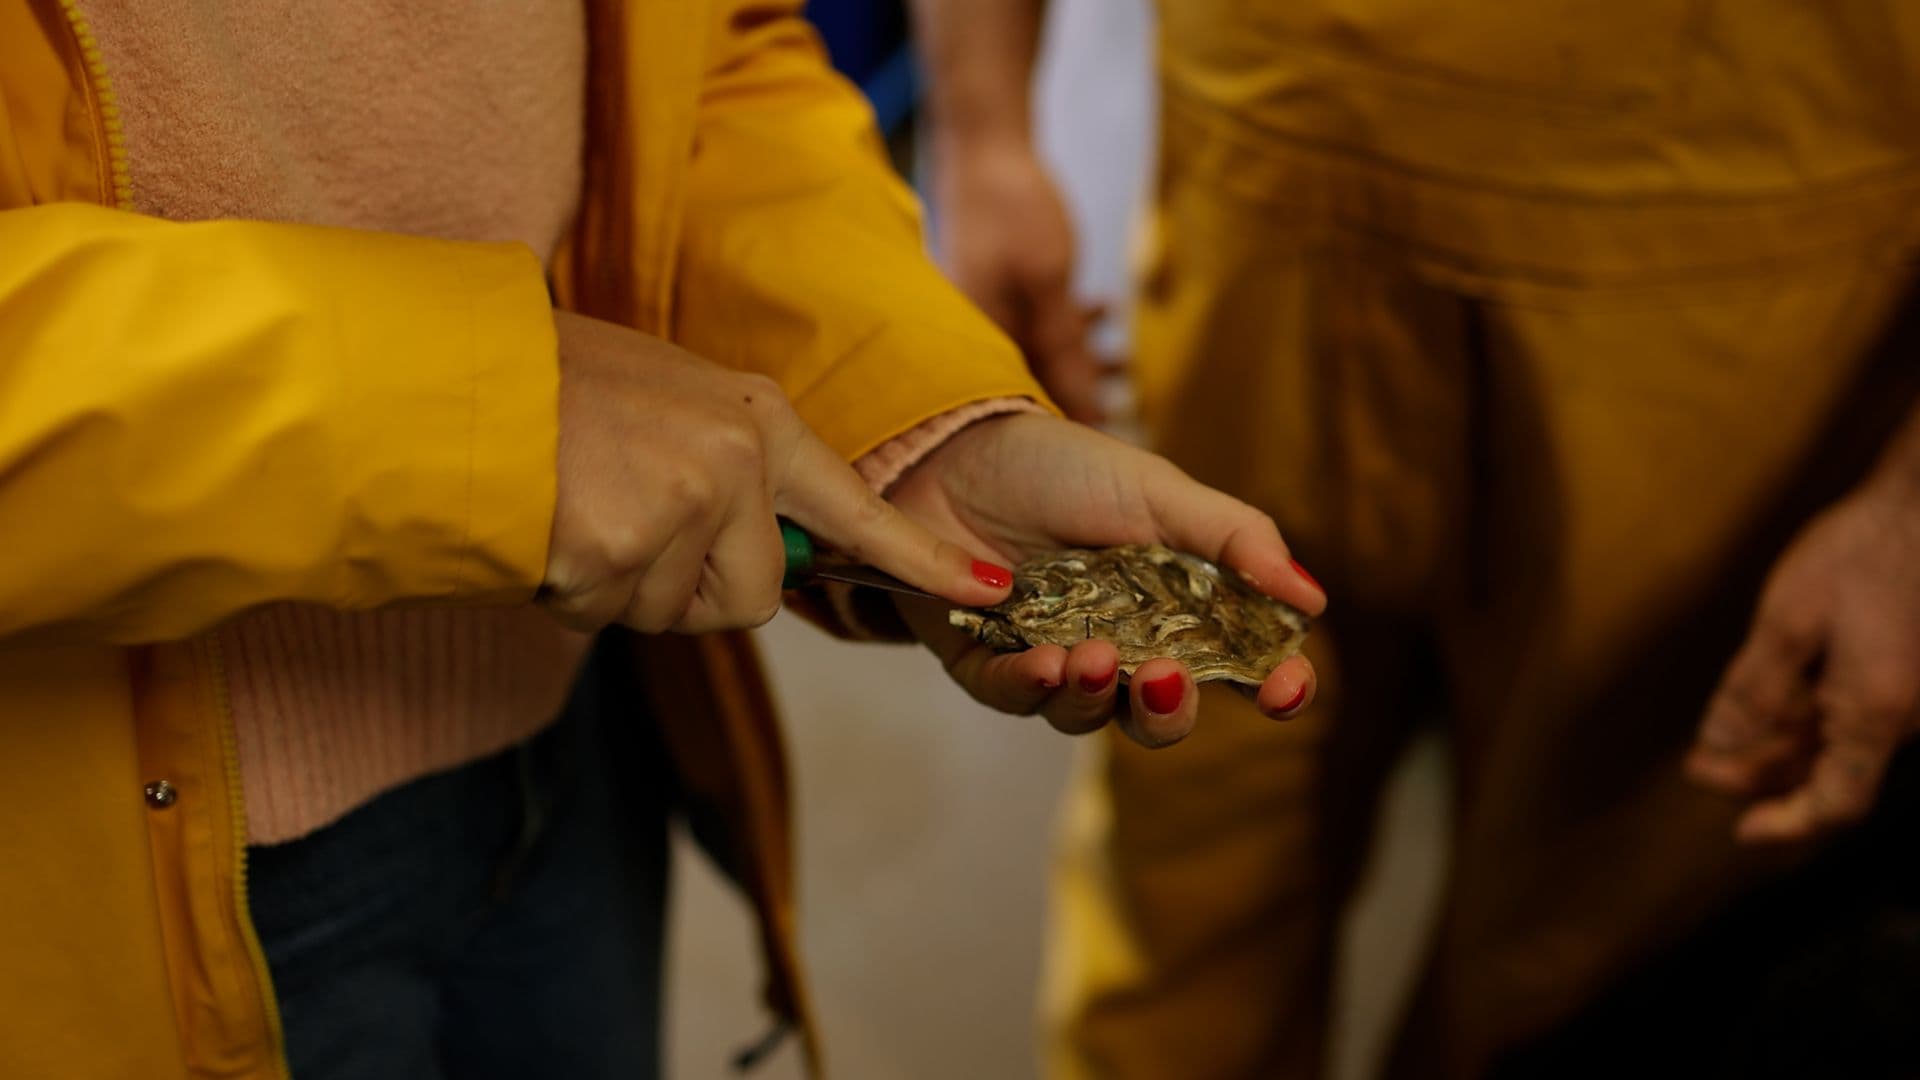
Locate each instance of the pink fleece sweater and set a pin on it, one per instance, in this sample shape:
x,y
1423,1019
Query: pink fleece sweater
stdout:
x,y
459,119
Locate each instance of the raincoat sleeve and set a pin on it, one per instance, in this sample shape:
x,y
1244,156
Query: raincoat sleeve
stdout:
x,y
802,254
200,418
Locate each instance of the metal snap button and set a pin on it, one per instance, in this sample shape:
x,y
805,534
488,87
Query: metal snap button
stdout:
x,y
162,794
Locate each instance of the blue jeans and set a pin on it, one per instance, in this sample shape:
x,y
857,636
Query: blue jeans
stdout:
x,y
502,919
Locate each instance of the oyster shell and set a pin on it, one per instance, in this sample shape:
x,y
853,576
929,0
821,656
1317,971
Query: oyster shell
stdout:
x,y
1149,601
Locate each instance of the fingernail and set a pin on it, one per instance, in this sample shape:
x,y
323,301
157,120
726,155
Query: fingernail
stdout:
x,y
1093,684
987,573
1302,571
1163,694
1299,698
1049,684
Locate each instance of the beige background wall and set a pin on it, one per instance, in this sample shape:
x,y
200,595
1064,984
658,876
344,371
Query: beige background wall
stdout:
x,y
923,825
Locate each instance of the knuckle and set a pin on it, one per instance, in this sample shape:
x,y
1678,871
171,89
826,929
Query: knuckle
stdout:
x,y
620,546
870,509
570,606
691,489
1261,532
868,513
735,446
762,395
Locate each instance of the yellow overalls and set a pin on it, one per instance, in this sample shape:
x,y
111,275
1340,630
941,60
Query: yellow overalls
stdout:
x,y
1538,327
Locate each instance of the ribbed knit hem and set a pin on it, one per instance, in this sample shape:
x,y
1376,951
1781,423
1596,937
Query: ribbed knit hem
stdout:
x,y
333,708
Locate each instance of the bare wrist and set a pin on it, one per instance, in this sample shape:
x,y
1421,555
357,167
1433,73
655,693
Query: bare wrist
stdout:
x,y
960,133
979,58
981,109
984,158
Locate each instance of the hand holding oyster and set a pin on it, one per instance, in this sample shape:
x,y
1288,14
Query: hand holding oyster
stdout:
x,y
1149,601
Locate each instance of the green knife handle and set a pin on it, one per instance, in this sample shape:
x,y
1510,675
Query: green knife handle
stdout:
x,y
799,555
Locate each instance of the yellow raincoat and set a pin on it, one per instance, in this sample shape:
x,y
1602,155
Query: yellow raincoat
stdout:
x,y
199,418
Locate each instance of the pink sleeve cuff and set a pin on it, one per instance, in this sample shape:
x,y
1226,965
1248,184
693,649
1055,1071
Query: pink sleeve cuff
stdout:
x,y
885,464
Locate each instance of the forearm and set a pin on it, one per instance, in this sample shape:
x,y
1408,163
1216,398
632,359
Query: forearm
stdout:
x,y
202,418
979,56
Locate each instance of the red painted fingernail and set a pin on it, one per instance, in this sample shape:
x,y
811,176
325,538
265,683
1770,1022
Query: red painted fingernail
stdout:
x,y
987,573
1093,684
1163,694
1302,571
1299,698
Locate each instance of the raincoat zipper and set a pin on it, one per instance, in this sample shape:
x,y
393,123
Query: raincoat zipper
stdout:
x,y
237,813
111,143
110,140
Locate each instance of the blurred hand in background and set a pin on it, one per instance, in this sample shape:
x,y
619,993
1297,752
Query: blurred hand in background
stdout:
x,y
1004,232
1007,240
1827,687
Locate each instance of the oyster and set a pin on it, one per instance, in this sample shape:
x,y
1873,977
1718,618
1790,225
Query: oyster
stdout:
x,y
1149,601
